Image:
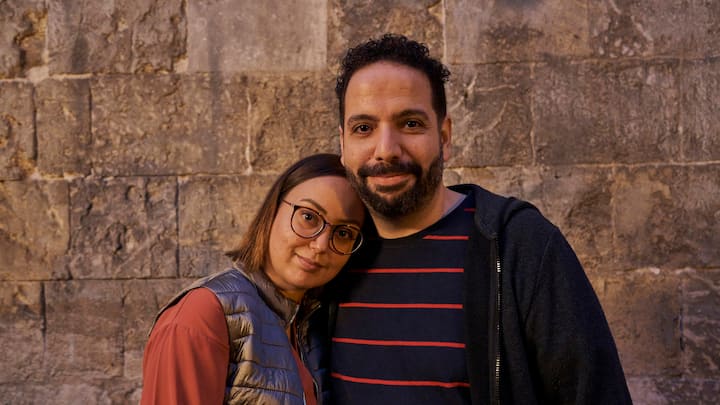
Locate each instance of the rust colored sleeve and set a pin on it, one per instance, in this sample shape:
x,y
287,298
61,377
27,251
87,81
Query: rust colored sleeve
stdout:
x,y
186,358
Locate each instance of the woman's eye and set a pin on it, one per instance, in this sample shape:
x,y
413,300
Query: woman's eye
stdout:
x,y
309,216
345,233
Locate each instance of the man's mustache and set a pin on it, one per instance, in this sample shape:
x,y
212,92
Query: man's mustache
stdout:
x,y
382,169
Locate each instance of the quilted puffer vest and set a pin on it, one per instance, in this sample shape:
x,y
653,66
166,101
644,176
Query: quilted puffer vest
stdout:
x,y
262,368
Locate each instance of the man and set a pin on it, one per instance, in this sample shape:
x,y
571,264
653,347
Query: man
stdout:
x,y
461,296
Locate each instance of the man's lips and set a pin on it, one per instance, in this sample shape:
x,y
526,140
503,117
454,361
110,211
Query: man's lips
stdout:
x,y
390,179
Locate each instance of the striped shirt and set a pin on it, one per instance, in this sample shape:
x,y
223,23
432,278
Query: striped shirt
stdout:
x,y
400,335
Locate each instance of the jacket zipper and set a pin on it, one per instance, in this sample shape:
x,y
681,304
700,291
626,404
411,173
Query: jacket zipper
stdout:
x,y
498,327
301,349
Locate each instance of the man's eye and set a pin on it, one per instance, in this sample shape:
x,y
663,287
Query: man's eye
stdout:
x,y
412,124
362,128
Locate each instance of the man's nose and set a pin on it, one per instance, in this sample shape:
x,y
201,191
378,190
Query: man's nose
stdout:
x,y
388,144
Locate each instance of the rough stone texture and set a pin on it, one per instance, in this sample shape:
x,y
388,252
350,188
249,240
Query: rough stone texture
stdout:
x,y
656,211
123,228
141,301
649,345
34,230
666,391
119,36
84,335
268,35
355,21
634,28
701,324
296,112
17,143
63,126
491,115
159,125
21,331
602,113
513,30
700,117
214,215
23,25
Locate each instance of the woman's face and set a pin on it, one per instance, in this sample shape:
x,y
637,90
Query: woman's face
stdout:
x,y
295,264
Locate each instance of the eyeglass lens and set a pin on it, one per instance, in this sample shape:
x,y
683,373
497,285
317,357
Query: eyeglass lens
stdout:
x,y
308,223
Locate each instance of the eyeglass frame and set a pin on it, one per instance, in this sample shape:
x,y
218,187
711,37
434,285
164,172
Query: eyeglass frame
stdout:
x,y
325,224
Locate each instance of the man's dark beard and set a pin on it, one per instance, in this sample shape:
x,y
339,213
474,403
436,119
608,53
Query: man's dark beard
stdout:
x,y
405,203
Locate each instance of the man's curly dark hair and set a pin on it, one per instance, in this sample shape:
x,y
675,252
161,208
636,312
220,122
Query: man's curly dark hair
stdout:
x,y
399,49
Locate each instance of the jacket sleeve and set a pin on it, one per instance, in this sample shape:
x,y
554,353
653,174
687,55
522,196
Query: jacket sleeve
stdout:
x,y
570,349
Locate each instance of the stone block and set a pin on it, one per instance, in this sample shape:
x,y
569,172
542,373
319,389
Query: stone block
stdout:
x,y
701,324
63,127
34,230
700,116
54,393
21,331
84,329
654,28
520,182
654,391
488,31
22,36
233,36
643,309
606,113
660,220
142,300
123,228
214,214
290,117
352,22
162,125
17,143
491,114
115,37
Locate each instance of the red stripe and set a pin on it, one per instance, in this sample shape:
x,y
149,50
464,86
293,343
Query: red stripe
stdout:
x,y
469,209
400,382
398,343
409,271
401,306
448,237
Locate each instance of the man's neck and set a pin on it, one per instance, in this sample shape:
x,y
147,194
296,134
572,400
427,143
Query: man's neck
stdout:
x,y
393,228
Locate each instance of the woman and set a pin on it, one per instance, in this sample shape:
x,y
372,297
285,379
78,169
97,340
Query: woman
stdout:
x,y
243,336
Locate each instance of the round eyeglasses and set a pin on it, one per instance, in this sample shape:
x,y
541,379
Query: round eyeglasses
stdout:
x,y
308,223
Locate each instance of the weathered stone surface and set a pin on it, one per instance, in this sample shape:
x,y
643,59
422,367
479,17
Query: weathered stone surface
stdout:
x,y
490,108
17,144
480,31
141,301
214,215
123,228
84,329
666,391
22,36
34,230
657,27
700,117
355,21
120,36
63,126
55,393
21,332
602,113
643,309
701,324
291,116
232,36
160,125
661,222
576,199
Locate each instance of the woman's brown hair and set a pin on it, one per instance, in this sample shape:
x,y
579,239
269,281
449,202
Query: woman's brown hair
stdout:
x,y
253,248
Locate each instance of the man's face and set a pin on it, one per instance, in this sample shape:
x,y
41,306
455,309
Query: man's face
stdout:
x,y
392,144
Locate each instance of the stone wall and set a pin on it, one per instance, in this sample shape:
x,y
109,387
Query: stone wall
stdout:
x,y
137,138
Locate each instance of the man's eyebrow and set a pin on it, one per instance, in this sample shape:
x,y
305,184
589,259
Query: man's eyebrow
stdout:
x,y
361,117
411,112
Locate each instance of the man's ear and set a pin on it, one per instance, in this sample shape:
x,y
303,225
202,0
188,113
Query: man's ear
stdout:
x,y
446,138
342,148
